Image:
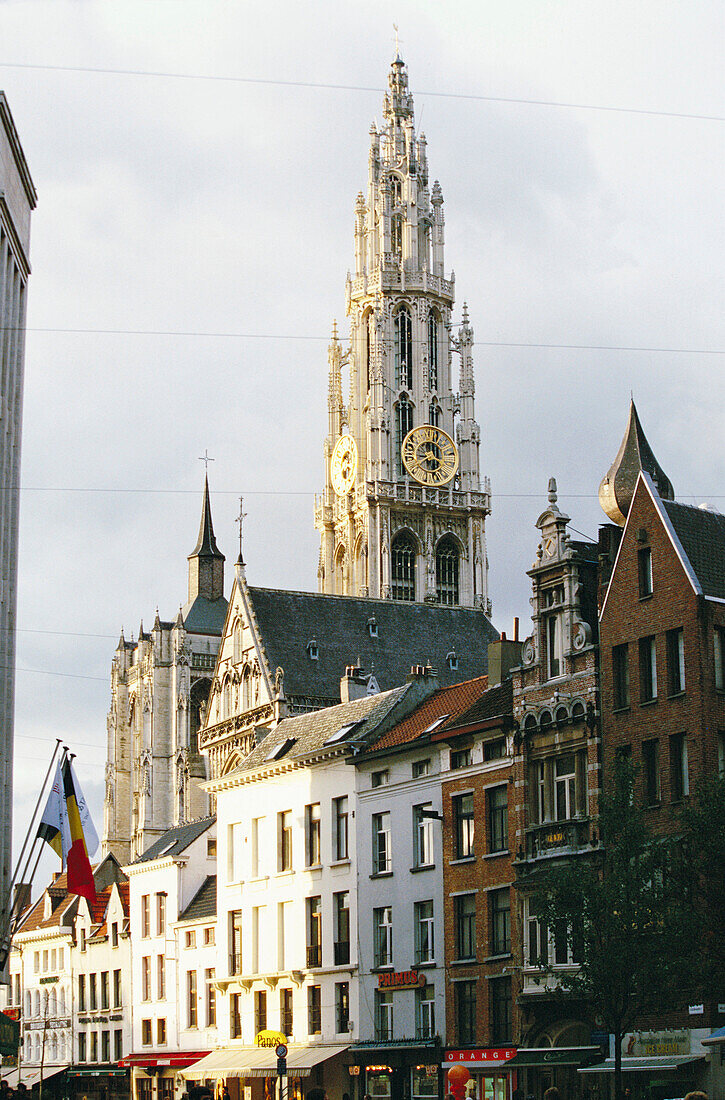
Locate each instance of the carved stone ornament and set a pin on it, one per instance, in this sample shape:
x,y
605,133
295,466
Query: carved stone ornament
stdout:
x,y
278,681
581,635
528,654
110,781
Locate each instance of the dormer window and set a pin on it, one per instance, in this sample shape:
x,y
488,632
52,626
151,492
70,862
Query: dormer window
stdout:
x,y
372,627
313,650
554,646
452,660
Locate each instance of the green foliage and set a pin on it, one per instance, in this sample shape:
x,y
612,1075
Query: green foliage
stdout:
x,y
703,881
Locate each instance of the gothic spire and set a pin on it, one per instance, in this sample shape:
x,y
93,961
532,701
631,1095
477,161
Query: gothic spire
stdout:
x,y
206,543
206,561
635,454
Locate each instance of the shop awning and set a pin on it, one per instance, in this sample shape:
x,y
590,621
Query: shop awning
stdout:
x,y
533,1057
260,1061
645,1065
112,1071
178,1059
716,1037
31,1075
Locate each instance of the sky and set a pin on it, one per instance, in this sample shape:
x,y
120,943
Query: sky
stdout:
x,y
197,165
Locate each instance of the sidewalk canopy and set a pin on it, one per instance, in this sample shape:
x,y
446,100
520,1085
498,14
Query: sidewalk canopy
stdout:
x,y
716,1037
533,1057
259,1061
645,1065
31,1076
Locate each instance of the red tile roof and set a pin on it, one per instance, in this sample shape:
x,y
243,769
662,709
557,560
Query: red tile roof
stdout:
x,y
449,702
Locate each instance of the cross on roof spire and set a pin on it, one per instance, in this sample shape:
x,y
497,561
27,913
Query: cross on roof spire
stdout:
x,y
240,520
206,460
397,41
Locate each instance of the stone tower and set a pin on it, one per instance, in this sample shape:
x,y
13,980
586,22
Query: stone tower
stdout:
x,y
159,692
403,512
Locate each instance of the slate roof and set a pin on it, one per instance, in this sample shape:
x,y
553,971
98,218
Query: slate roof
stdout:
x,y
311,731
176,840
407,634
63,911
203,616
203,903
702,535
496,702
449,702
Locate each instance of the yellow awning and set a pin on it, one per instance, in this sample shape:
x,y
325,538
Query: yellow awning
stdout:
x,y
259,1061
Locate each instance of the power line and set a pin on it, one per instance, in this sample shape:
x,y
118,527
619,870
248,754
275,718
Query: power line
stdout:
x,y
49,672
49,741
320,86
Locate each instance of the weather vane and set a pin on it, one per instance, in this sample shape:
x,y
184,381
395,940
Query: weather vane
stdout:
x,y
240,520
206,460
397,40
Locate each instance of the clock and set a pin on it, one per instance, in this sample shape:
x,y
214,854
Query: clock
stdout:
x,y
343,465
430,455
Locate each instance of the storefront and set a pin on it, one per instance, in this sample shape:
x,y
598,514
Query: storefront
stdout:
x,y
656,1065
98,1083
55,1079
538,1068
396,1070
250,1072
154,1077
489,1067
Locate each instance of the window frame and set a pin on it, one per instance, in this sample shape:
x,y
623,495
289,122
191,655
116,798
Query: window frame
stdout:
x,y
676,661
498,838
621,690
464,924
382,845
645,582
424,931
648,669
464,825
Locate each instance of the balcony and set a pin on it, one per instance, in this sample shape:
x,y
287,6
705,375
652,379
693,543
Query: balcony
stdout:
x,y
557,838
203,662
314,955
342,953
235,964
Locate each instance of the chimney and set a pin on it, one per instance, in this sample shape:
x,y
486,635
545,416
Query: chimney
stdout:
x,y
503,655
353,685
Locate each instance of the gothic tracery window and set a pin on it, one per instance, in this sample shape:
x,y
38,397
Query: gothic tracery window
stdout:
x,y
447,569
403,424
432,351
403,349
396,236
396,189
403,553
434,413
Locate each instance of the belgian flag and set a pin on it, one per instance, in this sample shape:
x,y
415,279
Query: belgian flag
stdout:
x,y
66,825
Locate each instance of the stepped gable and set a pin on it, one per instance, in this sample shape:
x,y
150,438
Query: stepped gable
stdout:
x,y
386,637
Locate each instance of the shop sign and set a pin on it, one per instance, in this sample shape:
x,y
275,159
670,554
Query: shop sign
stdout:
x,y
13,1013
401,979
648,1044
488,1054
696,1010
48,981
354,1071
270,1039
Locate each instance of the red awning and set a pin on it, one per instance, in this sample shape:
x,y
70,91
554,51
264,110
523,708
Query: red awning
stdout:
x,y
179,1059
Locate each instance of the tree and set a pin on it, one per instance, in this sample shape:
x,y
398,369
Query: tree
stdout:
x,y
702,819
622,911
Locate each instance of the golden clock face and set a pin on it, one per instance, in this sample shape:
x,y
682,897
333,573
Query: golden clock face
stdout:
x,y
430,455
343,465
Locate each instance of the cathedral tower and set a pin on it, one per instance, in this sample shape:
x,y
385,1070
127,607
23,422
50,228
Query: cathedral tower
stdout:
x,y
403,512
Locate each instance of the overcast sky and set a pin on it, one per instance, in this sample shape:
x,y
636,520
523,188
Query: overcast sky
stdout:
x,y
189,253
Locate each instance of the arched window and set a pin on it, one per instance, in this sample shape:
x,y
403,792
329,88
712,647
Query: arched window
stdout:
x,y
403,349
28,1004
403,424
396,189
434,413
246,694
36,1004
403,553
396,236
447,590
227,695
53,1005
340,571
61,1003
237,641
432,351
37,1048
367,334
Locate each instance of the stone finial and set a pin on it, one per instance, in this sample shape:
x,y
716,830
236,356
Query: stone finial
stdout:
x,y
552,492
634,455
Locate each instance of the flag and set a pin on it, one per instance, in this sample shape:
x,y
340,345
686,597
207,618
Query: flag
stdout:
x,y
67,826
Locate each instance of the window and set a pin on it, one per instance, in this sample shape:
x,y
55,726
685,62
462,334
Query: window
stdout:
x,y
191,995
161,1032
460,758
464,914
118,1045
160,914
432,352
434,414
651,767
565,786
190,940
719,655
314,931
209,937
235,941
285,1011
82,1043
260,1010
383,1015
403,344
383,936
114,934
644,571
463,826
420,768
500,989
465,997
396,235
403,554
554,645
495,749
422,837
161,977
211,847
256,830
538,945
117,998
676,660
312,834
561,943
235,1015
425,1019
342,1007
679,775
341,906
92,979
647,669
105,990
209,976
145,917
382,855
424,932
284,841
447,590
339,828
500,909
620,675
498,819
94,1046
314,1009
380,779
81,993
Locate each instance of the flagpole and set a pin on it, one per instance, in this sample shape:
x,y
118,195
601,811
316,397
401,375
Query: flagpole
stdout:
x,y
32,819
35,811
